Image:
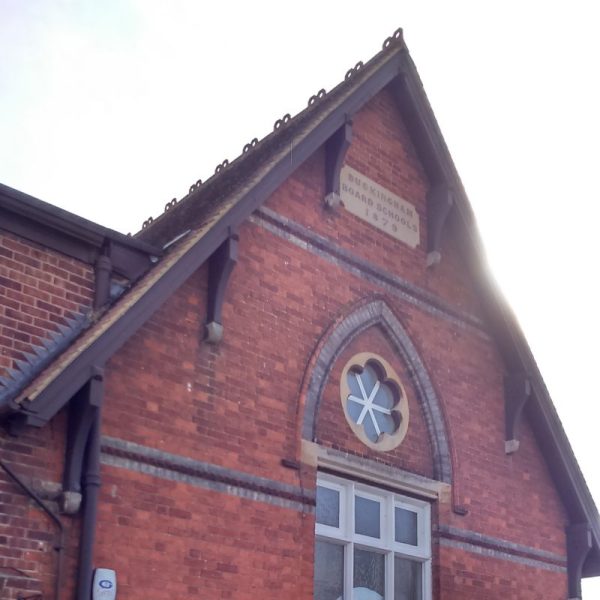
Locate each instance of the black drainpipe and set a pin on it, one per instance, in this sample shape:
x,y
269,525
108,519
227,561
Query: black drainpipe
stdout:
x,y
60,544
90,489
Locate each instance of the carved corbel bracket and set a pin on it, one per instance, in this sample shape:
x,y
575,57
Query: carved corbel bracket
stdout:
x,y
517,390
335,152
439,205
220,266
579,544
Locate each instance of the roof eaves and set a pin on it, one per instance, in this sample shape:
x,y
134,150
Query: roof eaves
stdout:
x,y
67,223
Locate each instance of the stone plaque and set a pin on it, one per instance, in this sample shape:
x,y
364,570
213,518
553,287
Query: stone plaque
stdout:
x,y
379,207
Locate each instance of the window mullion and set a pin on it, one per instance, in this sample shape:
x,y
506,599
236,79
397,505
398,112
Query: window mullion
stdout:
x,y
349,571
349,529
388,540
389,576
426,579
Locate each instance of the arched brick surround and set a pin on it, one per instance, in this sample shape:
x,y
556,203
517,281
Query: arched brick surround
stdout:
x,y
359,320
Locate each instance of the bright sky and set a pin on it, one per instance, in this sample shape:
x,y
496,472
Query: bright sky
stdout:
x,y
110,109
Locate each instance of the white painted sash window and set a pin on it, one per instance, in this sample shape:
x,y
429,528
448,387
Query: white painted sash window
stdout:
x,y
371,544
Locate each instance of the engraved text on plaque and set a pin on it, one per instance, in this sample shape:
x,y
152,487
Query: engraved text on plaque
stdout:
x,y
379,207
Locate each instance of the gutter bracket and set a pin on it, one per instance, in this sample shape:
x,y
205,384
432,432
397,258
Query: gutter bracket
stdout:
x,y
335,152
220,266
439,205
579,544
517,390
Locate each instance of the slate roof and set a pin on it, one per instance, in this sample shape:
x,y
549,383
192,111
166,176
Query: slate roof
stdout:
x,y
193,229
39,355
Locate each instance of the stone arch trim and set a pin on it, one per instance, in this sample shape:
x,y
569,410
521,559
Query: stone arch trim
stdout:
x,y
352,325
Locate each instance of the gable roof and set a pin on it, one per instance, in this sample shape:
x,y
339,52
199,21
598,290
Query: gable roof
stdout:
x,y
195,227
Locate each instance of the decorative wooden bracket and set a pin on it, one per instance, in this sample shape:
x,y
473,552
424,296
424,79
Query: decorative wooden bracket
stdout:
x,y
439,205
579,544
220,265
335,152
517,389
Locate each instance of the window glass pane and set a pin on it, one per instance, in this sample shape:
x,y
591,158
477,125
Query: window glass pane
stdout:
x,y
329,571
369,378
385,422
354,408
369,425
366,517
406,526
385,397
328,506
407,579
352,378
369,575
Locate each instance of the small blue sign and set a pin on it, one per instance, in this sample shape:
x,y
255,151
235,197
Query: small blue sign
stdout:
x,y
105,583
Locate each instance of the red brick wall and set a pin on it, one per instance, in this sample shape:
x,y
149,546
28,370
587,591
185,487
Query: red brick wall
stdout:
x,y
466,370
236,405
240,409
232,405
38,289
467,575
27,536
381,149
511,497
172,540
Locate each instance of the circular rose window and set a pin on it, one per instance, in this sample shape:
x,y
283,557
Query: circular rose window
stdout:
x,y
374,401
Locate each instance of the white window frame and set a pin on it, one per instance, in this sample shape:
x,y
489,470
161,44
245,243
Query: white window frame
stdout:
x,y
386,544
